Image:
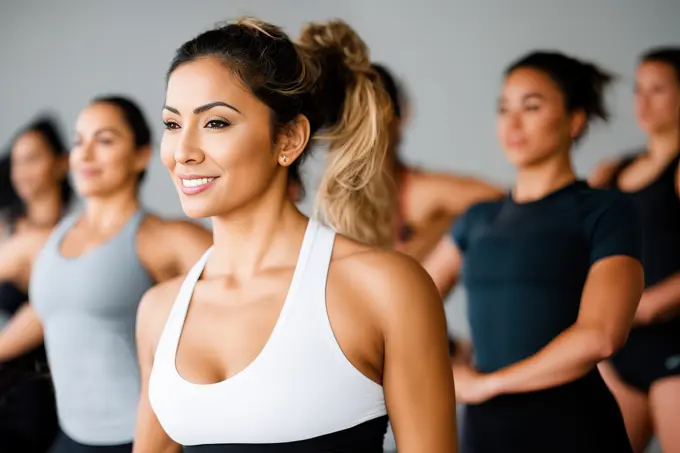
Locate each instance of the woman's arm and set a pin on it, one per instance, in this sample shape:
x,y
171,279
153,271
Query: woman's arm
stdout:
x,y
421,244
661,301
22,334
609,301
14,262
416,376
151,317
444,265
17,256
603,173
170,248
454,194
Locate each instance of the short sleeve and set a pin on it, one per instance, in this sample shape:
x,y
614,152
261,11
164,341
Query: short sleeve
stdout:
x,y
459,232
617,231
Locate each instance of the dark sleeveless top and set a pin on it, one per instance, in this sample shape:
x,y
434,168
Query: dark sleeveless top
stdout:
x,y
29,366
659,207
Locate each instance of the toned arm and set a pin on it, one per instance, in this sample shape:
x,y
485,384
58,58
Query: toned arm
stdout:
x,y
610,297
151,317
453,195
416,375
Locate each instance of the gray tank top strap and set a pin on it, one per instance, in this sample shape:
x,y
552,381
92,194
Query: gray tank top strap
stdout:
x,y
59,231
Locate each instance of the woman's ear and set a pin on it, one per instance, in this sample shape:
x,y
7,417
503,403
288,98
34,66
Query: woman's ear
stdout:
x,y
578,123
293,140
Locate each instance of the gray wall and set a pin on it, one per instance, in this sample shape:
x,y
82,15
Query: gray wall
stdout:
x,y
57,55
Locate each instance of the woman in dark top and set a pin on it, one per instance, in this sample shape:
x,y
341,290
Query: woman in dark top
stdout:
x,y
552,275
645,377
37,195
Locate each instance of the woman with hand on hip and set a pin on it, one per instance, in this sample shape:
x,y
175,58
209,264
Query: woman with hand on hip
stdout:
x,y
552,275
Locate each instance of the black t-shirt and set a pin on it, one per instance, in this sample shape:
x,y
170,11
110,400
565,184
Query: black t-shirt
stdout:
x,y
525,265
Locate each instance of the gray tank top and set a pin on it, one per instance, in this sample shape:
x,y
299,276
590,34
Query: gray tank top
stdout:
x,y
88,306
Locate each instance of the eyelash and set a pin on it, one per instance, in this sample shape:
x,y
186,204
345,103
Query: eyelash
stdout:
x,y
216,124
529,108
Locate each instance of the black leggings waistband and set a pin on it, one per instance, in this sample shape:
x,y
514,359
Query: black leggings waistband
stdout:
x,y
64,444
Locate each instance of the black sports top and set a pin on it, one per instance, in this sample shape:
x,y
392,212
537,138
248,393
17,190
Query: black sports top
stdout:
x,y
659,206
525,265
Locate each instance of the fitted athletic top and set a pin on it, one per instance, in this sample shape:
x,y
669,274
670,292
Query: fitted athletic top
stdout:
x,y
300,394
525,265
659,206
88,307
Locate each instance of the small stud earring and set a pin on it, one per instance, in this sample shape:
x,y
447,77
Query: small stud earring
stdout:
x,y
284,159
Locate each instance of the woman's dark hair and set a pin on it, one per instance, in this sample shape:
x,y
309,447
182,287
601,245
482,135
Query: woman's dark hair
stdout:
x,y
392,87
327,77
7,194
134,118
667,55
582,83
14,207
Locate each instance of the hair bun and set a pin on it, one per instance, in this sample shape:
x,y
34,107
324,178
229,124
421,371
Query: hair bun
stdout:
x,y
338,38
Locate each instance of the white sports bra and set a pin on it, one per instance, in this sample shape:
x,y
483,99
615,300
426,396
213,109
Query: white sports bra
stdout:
x,y
300,387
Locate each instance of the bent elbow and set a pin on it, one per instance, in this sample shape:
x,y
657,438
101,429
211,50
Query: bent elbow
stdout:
x,y
609,344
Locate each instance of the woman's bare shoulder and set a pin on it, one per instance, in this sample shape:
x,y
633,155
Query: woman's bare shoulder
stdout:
x,y
154,309
381,278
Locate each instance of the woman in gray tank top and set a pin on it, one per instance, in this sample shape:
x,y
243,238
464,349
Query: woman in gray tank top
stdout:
x,y
35,194
91,274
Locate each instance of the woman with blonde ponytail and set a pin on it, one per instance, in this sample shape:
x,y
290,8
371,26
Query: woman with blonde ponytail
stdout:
x,y
290,334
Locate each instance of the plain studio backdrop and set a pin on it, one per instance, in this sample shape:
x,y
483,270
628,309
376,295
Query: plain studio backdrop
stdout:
x,y
450,54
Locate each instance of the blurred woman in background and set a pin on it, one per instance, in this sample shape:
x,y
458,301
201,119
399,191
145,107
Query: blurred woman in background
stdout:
x,y
645,374
427,202
552,274
90,275
38,194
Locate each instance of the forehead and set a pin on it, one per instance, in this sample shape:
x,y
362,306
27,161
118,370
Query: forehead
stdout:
x,y
657,70
29,142
525,81
207,80
99,116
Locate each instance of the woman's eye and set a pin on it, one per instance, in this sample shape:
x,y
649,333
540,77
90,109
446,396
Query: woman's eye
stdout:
x,y
217,124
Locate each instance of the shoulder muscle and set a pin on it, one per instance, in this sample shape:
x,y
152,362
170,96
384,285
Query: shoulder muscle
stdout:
x,y
153,312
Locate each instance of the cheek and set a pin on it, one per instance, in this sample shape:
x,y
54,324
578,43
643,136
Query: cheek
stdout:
x,y
167,150
545,131
669,106
46,169
241,152
115,162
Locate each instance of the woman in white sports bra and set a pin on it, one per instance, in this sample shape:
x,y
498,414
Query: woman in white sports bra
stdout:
x,y
286,337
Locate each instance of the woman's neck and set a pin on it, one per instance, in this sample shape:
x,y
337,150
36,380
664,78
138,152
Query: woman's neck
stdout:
x,y
664,146
262,234
106,214
45,211
534,183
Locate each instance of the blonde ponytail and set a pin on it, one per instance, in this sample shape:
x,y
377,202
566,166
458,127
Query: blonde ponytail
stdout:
x,y
357,196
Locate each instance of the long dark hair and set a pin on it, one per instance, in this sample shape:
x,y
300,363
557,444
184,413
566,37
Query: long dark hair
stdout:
x,y
11,204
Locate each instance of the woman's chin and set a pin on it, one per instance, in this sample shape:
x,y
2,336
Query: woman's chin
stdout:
x,y
195,210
